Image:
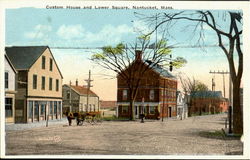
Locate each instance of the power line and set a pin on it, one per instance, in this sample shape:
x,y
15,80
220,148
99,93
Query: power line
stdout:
x,y
184,46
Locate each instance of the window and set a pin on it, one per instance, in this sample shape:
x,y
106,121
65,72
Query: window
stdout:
x,y
30,109
34,81
6,80
50,83
50,64
124,109
90,107
43,62
36,108
43,83
55,107
8,107
59,107
43,109
94,107
124,94
51,108
152,110
68,94
57,85
152,95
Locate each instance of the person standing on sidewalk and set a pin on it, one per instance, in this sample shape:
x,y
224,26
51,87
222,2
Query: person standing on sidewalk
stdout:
x,y
69,117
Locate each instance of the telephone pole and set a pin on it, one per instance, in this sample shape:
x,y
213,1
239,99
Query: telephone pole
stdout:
x,y
88,89
223,73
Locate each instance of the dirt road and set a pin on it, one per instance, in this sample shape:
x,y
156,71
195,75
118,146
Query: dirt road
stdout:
x,y
193,136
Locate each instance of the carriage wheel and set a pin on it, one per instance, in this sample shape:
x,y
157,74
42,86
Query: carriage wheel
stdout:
x,y
80,123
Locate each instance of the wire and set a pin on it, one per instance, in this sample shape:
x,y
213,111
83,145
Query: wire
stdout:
x,y
184,46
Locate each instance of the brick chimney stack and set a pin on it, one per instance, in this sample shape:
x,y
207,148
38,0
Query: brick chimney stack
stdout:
x,y
76,82
138,55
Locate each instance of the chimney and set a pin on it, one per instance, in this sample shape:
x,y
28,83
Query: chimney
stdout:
x,y
138,55
76,82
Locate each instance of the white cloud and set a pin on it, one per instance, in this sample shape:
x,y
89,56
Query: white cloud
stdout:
x,y
107,34
141,27
39,31
71,31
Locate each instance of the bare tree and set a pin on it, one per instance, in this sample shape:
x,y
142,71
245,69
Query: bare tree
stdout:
x,y
230,35
122,60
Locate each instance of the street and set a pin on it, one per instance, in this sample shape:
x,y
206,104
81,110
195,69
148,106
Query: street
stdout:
x,y
200,135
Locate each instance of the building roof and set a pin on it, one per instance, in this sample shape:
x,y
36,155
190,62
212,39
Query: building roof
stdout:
x,y
23,57
206,94
11,65
81,90
107,104
163,72
159,69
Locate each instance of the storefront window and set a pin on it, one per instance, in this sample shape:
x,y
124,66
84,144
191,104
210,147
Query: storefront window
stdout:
x,y
124,109
51,107
8,107
36,108
43,109
152,110
30,109
59,107
55,107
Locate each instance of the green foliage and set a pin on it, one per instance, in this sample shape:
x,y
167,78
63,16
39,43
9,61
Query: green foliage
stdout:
x,y
114,118
201,86
144,37
179,62
109,51
162,48
98,56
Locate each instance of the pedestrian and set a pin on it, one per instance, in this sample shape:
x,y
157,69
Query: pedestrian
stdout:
x,y
69,117
157,114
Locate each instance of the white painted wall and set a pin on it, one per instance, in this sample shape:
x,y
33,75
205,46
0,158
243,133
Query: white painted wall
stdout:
x,y
8,68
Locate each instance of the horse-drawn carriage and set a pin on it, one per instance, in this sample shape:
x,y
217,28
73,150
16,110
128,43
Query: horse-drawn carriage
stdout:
x,y
80,117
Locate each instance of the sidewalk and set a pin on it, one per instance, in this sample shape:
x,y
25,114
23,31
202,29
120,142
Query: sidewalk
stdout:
x,y
24,126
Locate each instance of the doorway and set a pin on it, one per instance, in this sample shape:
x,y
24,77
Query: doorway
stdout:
x,y
169,111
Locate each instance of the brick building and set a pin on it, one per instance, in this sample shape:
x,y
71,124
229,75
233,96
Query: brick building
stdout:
x,y
207,102
39,89
156,91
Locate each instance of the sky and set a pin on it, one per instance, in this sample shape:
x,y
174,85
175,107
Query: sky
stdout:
x,y
98,28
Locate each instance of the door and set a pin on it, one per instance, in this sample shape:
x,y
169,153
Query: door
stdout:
x,y
169,111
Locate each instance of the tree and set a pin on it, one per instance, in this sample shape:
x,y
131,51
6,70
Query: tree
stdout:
x,y
191,87
232,33
120,59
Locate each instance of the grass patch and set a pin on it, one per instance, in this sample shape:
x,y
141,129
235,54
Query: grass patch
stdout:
x,y
114,118
213,134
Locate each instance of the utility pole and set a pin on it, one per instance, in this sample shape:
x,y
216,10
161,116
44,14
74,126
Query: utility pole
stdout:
x,y
70,105
88,89
164,94
223,73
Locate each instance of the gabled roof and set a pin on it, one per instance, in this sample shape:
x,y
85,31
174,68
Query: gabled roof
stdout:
x,y
81,90
23,57
11,65
206,94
